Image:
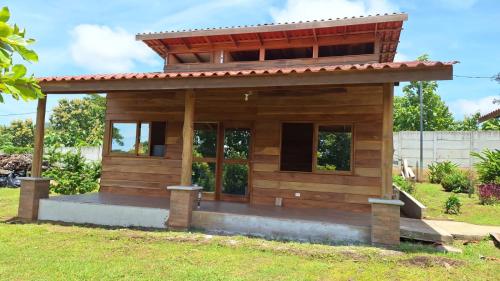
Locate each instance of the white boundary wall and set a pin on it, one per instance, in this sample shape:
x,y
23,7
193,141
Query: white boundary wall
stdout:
x,y
441,146
91,153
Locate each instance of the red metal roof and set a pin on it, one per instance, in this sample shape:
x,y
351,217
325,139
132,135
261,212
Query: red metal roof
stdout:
x,y
253,72
387,27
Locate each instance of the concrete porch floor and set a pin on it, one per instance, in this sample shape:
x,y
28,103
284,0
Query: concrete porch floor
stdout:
x,y
313,214
226,217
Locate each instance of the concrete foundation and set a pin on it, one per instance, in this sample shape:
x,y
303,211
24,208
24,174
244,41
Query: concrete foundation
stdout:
x,y
102,214
317,225
280,228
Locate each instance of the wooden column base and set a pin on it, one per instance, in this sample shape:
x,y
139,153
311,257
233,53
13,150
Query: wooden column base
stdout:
x,y
32,190
385,221
182,201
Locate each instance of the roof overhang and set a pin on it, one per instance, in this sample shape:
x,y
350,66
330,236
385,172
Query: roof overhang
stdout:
x,y
383,29
283,77
275,27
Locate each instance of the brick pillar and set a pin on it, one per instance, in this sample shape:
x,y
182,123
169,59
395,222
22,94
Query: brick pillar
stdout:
x,y
385,221
182,202
32,190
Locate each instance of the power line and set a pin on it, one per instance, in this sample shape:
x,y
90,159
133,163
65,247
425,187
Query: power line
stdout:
x,y
476,77
17,114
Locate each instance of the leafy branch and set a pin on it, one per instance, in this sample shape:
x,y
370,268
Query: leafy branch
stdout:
x,y
13,77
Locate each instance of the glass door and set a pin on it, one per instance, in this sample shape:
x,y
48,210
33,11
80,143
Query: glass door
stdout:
x,y
221,160
205,146
235,163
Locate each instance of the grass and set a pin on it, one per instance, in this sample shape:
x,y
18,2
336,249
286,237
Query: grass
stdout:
x,y
55,252
433,197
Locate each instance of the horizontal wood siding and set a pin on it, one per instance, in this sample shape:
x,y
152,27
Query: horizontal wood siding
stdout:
x,y
267,109
359,105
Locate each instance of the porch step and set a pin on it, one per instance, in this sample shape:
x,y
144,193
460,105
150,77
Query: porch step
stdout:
x,y
422,230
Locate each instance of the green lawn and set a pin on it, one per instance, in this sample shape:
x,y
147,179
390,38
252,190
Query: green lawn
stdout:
x,y
56,252
433,197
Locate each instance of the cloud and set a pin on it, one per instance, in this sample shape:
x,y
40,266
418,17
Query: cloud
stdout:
x,y
462,107
457,4
103,49
401,57
296,10
206,13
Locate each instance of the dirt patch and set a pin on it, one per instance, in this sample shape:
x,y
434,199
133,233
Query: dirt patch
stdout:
x,y
428,261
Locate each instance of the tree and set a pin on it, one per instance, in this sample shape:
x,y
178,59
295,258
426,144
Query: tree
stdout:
x,y
13,79
78,122
470,123
21,133
437,116
18,137
71,173
491,125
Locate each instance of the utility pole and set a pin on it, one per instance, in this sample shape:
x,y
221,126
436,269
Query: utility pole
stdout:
x,y
421,96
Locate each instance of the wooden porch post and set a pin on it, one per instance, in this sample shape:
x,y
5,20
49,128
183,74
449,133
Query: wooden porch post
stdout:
x,y
385,217
387,141
187,138
36,166
35,188
182,197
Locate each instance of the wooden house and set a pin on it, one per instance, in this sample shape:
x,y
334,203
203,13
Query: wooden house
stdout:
x,y
279,121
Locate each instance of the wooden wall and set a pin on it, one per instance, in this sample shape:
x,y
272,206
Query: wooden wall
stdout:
x,y
360,105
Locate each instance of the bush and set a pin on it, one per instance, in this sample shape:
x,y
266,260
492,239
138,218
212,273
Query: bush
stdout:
x,y
488,168
70,173
457,181
452,205
403,184
489,193
438,170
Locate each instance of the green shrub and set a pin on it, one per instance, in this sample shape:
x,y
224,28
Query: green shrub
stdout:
x,y
70,173
438,170
488,168
457,181
10,149
403,184
452,205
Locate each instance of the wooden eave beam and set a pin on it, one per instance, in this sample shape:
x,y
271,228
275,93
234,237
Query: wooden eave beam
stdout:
x,y
252,81
209,42
233,40
177,58
198,58
186,43
294,42
165,48
315,36
287,38
260,39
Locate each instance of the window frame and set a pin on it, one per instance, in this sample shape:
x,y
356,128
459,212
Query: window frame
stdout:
x,y
137,138
314,169
315,148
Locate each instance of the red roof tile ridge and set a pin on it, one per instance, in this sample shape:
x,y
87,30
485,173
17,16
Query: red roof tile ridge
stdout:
x,y
245,72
